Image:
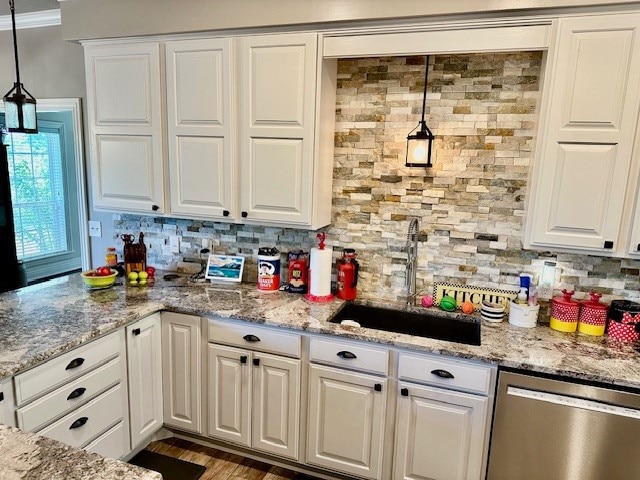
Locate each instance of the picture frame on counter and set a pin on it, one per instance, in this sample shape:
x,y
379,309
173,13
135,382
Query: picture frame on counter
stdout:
x,y
224,268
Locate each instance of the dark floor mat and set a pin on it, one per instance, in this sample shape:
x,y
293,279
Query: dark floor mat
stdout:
x,y
170,468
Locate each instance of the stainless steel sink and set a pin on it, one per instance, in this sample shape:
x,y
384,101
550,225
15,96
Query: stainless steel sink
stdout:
x,y
447,328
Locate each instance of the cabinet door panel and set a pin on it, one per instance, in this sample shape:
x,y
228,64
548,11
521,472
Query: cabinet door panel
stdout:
x,y
181,372
440,434
199,75
144,358
346,421
275,422
229,387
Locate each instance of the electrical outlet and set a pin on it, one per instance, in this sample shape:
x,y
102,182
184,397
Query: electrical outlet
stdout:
x,y
95,228
174,244
206,243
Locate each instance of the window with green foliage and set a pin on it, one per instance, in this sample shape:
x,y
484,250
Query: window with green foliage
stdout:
x,y
37,194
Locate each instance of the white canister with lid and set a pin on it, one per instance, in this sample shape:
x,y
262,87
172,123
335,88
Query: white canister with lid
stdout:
x,y
525,316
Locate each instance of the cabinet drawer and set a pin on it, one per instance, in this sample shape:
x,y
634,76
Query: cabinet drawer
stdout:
x,y
66,367
248,335
349,354
447,373
110,444
84,424
69,396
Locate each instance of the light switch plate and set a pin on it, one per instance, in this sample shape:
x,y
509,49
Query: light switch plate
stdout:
x,y
95,228
174,244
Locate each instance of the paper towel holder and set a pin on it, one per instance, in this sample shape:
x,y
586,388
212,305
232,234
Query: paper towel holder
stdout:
x,y
314,252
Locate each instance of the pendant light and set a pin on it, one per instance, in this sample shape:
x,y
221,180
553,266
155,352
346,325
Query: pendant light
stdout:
x,y
419,144
19,104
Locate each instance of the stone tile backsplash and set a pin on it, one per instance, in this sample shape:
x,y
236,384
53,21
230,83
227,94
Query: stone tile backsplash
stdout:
x,y
482,109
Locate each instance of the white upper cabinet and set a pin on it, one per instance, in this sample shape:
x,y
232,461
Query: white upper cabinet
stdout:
x,y
584,165
277,125
125,124
199,121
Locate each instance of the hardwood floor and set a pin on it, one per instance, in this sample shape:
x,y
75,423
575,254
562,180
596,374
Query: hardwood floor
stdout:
x,y
222,465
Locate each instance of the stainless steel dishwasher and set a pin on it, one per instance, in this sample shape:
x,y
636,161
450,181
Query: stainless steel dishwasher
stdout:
x,y
546,429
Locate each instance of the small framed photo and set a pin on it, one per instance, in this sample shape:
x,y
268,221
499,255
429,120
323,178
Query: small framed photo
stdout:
x,y
224,268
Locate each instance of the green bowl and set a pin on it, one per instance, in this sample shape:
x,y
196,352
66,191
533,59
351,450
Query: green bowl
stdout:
x,y
94,281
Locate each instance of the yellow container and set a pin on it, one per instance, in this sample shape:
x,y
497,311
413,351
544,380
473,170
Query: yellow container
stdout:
x,y
563,326
596,330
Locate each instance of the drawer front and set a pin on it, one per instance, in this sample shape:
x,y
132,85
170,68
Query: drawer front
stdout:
x,y
248,335
446,373
350,355
69,396
61,369
100,413
110,444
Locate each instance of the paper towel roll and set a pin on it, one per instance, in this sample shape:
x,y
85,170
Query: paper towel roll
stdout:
x,y
320,272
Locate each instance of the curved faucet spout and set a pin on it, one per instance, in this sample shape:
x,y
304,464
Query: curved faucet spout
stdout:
x,y
413,233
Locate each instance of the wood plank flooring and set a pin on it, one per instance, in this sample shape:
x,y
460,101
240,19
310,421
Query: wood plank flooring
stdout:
x,y
222,465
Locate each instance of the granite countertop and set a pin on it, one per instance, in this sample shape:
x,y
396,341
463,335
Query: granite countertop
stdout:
x,y
45,320
29,456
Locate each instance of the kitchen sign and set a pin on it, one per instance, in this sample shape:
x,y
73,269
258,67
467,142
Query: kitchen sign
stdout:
x,y
475,295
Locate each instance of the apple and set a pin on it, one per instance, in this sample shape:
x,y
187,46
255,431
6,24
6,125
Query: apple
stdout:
x,y
103,271
151,272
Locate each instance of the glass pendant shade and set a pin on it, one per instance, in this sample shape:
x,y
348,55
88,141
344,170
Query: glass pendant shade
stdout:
x,y
419,144
20,111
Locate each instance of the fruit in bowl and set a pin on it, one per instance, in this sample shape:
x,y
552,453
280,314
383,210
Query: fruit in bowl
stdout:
x,y
101,277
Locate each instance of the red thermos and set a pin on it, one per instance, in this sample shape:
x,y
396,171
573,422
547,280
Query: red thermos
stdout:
x,y
347,275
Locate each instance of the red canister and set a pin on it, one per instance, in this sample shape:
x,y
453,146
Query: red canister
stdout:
x,y
623,318
593,315
347,275
297,271
564,312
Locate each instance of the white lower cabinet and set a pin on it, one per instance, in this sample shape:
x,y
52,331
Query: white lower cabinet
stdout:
x,y
254,399
144,359
440,434
346,421
181,382
7,405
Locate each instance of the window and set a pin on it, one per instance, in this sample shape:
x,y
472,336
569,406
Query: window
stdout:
x,y
44,197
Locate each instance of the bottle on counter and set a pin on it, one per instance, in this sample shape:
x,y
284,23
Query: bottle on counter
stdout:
x,y
111,257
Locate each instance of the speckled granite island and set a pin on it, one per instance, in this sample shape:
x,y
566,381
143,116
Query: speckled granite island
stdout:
x,y
45,320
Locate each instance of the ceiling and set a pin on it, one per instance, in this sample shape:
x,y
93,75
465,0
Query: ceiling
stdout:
x,y
24,6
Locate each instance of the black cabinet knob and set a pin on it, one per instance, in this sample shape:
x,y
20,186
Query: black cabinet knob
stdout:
x,y
155,208
256,362
136,331
377,387
75,363
243,359
404,392
245,214
1,396
225,213
608,244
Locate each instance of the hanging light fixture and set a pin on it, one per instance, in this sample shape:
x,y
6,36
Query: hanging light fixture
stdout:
x,y
19,105
419,143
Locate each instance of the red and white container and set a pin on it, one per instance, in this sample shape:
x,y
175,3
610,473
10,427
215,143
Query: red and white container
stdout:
x,y
593,315
564,312
268,269
623,318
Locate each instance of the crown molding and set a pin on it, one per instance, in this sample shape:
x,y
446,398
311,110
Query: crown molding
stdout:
x,y
43,18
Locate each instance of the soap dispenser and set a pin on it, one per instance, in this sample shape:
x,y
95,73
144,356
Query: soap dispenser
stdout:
x,y
522,296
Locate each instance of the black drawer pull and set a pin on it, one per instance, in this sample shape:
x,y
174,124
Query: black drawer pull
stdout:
x,y
404,392
256,362
243,359
76,393
78,423
75,363
377,387
155,208
442,373
136,331
251,338
346,354
608,244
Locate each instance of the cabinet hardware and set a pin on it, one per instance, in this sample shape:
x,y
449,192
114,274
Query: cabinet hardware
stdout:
x,y
245,214
225,213
243,359
75,363
346,354
377,387
404,392
155,208
638,247
136,331
251,338
1,396
608,244
76,393
78,423
442,373
256,362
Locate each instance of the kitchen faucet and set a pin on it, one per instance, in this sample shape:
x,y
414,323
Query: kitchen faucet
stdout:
x,y
412,259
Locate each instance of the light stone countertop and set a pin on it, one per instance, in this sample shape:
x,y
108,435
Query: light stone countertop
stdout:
x,y
26,456
42,321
